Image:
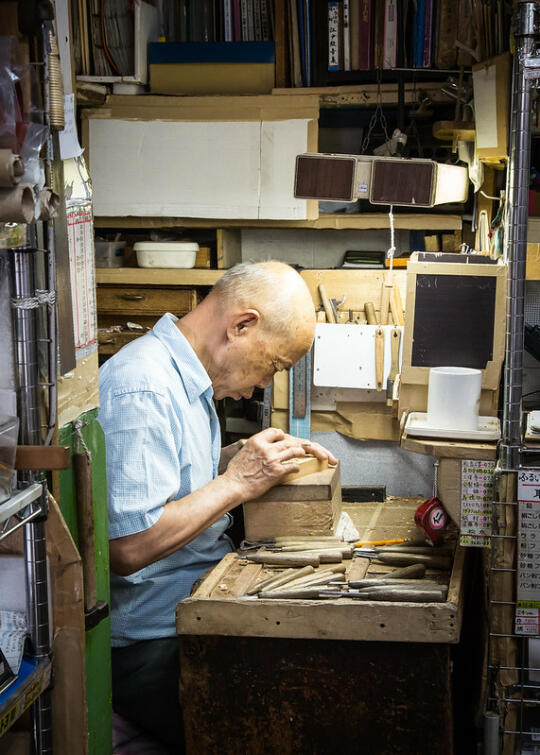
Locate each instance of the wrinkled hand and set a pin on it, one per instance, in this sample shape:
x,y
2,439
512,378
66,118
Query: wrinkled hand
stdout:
x,y
266,458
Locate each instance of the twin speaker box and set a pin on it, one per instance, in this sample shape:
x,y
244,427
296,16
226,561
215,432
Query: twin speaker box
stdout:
x,y
381,180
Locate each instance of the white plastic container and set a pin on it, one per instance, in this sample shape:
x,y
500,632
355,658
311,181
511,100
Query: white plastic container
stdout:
x,y
454,398
166,253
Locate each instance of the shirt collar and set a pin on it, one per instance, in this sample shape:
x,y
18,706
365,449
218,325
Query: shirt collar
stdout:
x,y
193,375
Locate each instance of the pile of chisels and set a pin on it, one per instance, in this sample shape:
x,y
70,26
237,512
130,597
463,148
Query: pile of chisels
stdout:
x,y
319,571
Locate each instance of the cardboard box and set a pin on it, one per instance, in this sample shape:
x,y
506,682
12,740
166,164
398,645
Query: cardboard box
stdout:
x,y
202,68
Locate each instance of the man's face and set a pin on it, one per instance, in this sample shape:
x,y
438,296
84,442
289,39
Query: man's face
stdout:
x,y
250,362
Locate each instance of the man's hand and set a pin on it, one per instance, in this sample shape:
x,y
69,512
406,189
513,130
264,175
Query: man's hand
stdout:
x,y
266,458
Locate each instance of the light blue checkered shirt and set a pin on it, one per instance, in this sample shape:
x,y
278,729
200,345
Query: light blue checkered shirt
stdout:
x,y
163,441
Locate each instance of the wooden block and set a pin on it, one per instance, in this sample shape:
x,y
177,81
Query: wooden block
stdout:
x,y
203,257
308,465
319,486
264,520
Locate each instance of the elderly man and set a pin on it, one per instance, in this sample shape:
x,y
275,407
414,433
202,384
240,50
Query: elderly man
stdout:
x,y
168,506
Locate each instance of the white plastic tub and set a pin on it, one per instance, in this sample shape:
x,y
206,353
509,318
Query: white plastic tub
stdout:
x,y
166,253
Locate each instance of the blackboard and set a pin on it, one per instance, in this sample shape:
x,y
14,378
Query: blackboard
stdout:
x,y
453,321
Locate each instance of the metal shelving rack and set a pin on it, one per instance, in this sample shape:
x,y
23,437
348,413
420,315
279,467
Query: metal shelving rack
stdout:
x,y
511,691
28,507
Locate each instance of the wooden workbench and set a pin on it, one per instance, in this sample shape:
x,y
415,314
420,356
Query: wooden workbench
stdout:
x,y
299,676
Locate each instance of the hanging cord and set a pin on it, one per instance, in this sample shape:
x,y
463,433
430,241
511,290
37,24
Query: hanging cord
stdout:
x,y
392,249
32,302
378,115
78,426
435,477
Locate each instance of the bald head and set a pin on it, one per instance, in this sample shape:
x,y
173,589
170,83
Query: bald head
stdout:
x,y
277,292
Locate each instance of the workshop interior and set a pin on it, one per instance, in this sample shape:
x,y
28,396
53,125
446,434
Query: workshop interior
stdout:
x,y
389,152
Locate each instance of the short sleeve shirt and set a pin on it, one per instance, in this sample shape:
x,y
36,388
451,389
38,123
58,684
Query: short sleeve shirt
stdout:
x,y
162,442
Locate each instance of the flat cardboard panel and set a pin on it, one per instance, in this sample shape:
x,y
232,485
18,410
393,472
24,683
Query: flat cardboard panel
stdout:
x,y
491,84
281,141
140,167
164,168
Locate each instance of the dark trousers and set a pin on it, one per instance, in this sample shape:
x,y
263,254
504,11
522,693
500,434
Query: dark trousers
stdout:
x,y
145,678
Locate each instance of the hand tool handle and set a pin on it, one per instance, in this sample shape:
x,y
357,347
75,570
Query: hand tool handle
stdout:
x,y
331,556
312,593
371,316
396,307
403,595
385,302
379,358
395,341
406,559
283,559
326,304
414,571
281,579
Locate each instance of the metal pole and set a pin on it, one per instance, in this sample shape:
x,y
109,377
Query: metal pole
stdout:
x,y
491,733
30,433
517,193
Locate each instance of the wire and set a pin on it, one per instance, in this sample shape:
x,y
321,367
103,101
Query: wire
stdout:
x,y
104,40
495,199
392,249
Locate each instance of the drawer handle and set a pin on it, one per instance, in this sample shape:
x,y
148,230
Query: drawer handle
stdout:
x,y
132,297
106,341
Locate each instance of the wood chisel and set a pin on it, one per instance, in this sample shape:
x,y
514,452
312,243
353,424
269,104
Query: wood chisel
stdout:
x,y
395,341
328,309
371,316
309,593
283,559
396,306
346,550
395,594
379,358
426,550
315,579
281,579
393,558
385,301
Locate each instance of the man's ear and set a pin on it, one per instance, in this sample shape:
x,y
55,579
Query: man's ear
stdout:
x,y
240,323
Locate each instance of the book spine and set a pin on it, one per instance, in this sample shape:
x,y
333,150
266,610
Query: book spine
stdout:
x,y
428,31
390,34
346,36
307,26
301,39
227,21
250,21
365,36
334,40
265,22
354,32
258,21
237,21
418,40
244,34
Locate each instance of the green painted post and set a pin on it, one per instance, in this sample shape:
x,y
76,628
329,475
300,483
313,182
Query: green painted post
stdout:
x,y
98,639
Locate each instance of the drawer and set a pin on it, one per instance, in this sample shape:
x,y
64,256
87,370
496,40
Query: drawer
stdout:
x,y
111,342
142,300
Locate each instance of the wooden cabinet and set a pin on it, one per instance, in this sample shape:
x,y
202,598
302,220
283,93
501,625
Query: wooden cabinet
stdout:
x,y
120,301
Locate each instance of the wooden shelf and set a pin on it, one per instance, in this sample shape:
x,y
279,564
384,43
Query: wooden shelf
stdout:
x,y
338,221
142,276
450,449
